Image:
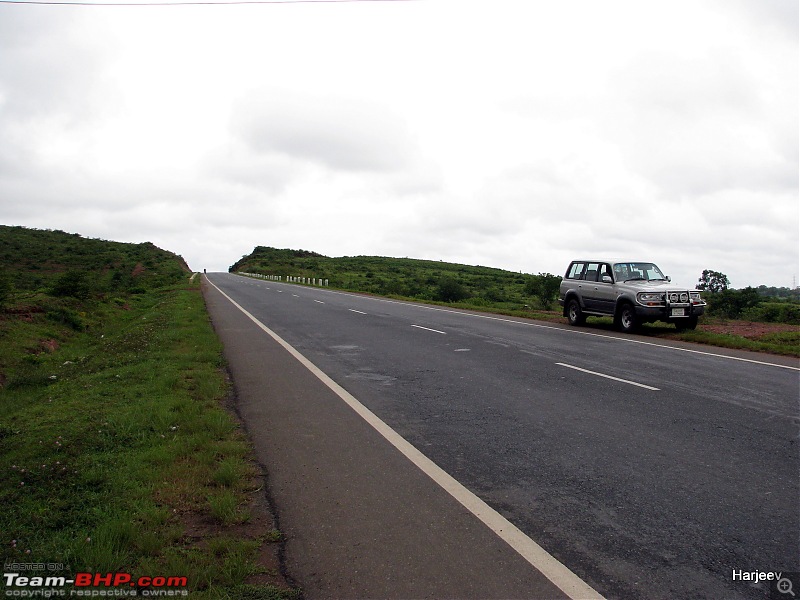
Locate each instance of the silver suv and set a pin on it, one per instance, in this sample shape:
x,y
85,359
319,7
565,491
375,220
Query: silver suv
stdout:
x,y
632,292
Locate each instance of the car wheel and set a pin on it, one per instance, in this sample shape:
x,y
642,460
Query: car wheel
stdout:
x,y
690,323
575,315
627,320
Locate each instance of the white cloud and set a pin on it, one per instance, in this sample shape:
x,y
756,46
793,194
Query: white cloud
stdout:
x,y
510,134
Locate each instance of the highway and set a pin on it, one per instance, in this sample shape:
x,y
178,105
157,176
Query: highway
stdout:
x,y
650,470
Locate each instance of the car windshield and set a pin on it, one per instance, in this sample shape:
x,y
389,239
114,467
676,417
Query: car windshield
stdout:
x,y
637,271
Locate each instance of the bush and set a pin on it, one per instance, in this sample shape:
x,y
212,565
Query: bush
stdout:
x,y
774,312
543,286
67,317
730,304
5,288
449,290
71,284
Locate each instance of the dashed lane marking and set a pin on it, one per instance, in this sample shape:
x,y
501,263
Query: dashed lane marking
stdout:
x,y
628,381
429,329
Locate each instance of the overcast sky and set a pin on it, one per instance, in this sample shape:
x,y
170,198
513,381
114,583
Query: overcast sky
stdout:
x,y
512,134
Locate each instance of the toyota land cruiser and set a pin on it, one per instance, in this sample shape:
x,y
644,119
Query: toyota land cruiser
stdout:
x,y
632,292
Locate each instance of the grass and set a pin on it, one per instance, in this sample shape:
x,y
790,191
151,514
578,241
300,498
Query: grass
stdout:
x,y
114,442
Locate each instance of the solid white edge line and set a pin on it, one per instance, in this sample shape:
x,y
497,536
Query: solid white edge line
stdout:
x,y
573,331
429,329
649,387
560,575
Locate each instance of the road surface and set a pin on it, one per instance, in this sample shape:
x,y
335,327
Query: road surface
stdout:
x,y
646,470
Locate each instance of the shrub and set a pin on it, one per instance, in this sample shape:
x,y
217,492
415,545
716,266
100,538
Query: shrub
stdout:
x,y
71,284
732,303
449,290
773,312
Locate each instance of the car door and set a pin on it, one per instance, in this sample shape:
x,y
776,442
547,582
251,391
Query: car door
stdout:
x,y
588,287
605,292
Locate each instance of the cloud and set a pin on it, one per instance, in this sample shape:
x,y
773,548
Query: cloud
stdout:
x,y
515,135
696,126
339,133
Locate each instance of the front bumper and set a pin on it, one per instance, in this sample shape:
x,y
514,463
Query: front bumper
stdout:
x,y
670,312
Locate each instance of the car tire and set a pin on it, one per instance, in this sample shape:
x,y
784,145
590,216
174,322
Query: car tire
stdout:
x,y
627,320
575,315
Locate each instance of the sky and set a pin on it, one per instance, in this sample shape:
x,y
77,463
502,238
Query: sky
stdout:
x,y
512,134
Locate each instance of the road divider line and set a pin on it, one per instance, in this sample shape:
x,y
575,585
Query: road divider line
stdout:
x,y
648,387
356,311
319,301
561,576
429,329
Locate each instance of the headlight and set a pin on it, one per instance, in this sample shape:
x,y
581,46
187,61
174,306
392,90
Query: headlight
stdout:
x,y
695,298
650,298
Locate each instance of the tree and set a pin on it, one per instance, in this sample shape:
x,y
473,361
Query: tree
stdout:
x,y
543,286
713,281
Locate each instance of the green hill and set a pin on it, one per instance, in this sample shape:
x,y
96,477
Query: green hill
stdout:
x,y
34,259
405,277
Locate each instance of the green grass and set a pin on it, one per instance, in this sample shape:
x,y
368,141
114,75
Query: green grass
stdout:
x,y
783,343
113,439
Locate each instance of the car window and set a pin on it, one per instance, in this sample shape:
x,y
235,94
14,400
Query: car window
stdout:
x,y
576,270
591,272
637,271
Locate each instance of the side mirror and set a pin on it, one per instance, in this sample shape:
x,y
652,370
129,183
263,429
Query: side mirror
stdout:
x,y
607,279
669,278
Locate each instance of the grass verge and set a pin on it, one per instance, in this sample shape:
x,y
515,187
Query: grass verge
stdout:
x,y
117,455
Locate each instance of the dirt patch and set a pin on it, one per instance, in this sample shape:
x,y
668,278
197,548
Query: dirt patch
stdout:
x,y
748,329
49,346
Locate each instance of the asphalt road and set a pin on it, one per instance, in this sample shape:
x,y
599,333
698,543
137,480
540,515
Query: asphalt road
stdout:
x,y
649,470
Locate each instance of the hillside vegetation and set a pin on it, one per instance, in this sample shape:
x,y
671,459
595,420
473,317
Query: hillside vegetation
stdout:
x,y
116,454
424,280
33,259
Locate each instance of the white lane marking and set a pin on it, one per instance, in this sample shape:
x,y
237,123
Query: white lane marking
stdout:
x,y
295,296
429,329
461,350
356,311
561,576
567,331
319,301
655,389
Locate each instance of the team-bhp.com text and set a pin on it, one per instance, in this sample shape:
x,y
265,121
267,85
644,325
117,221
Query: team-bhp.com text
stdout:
x,y
109,584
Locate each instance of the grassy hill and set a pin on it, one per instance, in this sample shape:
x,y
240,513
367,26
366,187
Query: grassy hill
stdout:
x,y
116,453
32,259
410,278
